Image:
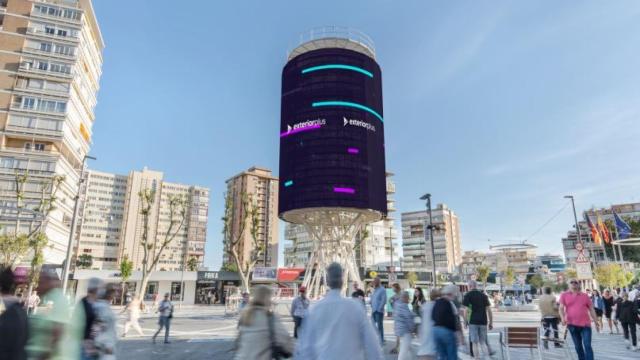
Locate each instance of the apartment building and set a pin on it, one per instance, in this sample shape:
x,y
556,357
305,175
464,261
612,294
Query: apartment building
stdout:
x,y
416,244
375,244
111,225
50,67
262,188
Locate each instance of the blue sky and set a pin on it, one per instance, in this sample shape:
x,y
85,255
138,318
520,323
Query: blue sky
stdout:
x,y
497,108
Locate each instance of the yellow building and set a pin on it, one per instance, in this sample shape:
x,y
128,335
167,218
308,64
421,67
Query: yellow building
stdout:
x,y
50,67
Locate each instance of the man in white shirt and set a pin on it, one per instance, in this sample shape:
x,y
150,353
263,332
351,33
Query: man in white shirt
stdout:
x,y
337,327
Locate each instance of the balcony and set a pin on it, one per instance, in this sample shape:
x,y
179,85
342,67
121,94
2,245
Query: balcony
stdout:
x,y
29,50
17,106
26,68
41,33
31,132
61,10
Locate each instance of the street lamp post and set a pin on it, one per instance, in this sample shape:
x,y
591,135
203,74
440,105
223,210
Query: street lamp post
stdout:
x,y
67,261
427,197
575,218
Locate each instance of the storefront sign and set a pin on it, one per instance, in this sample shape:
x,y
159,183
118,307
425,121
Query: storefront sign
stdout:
x,y
289,274
264,274
218,275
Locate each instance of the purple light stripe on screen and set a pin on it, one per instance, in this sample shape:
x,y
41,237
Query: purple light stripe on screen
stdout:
x,y
344,190
353,150
295,131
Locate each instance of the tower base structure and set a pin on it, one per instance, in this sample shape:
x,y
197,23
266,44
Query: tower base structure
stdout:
x,y
333,231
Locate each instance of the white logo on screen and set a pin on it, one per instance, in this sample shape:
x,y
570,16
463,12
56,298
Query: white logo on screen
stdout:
x,y
359,123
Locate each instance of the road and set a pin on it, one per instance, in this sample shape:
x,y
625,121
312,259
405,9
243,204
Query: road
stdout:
x,y
207,333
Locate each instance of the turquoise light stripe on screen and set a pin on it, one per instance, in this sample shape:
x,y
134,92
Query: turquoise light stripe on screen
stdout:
x,y
347,104
337,66
288,183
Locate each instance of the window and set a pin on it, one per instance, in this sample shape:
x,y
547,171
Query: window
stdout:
x,y
27,146
43,65
45,47
38,147
49,30
62,32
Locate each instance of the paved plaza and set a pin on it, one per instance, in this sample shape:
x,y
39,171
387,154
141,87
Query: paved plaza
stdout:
x,y
207,333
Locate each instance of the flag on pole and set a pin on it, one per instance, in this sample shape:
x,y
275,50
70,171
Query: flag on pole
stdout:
x,y
604,232
624,230
595,235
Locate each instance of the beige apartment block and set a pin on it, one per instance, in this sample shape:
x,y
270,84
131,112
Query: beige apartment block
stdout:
x,y
50,67
262,187
111,225
416,245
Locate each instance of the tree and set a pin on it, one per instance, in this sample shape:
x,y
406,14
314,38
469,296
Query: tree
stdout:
x,y
12,248
154,247
231,267
509,276
536,281
126,270
192,264
570,273
412,278
482,272
248,214
84,261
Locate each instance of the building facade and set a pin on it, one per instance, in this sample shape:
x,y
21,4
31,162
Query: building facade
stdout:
x,y
592,250
471,261
111,225
416,245
262,188
51,60
375,246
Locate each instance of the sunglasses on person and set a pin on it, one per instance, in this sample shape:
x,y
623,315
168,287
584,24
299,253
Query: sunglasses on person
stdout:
x,y
573,282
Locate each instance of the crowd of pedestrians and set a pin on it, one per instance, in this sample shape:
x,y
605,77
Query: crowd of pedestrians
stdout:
x,y
58,330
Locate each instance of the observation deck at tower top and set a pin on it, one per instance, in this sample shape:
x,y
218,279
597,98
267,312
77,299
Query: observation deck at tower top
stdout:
x,y
333,37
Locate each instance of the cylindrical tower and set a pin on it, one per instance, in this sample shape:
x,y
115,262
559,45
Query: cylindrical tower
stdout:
x,y
332,161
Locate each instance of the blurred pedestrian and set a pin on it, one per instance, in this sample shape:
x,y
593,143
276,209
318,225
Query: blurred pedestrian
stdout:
x,y
445,324
418,301
575,310
244,301
13,320
550,316
427,348
357,293
164,321
392,303
133,316
33,302
378,302
261,333
49,334
209,297
84,317
629,317
598,306
404,325
154,298
299,308
478,319
104,328
336,327
608,299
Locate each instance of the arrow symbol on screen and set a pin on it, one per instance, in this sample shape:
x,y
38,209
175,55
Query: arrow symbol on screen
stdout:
x,y
345,121
288,128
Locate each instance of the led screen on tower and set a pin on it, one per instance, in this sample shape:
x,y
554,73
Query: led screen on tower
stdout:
x,y
332,132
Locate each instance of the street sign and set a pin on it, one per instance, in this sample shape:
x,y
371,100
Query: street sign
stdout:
x,y
583,269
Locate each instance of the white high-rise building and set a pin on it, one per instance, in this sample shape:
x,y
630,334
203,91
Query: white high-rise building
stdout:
x,y
111,225
416,246
50,61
